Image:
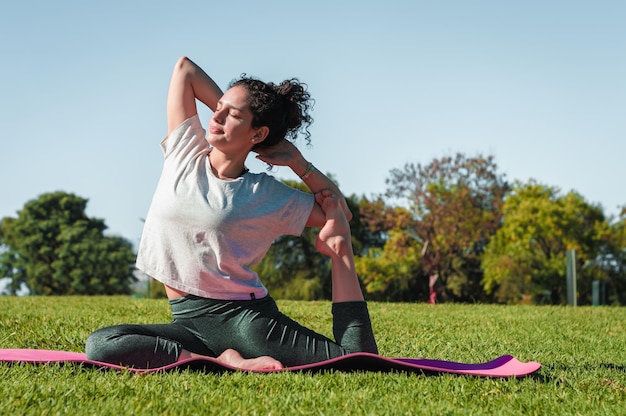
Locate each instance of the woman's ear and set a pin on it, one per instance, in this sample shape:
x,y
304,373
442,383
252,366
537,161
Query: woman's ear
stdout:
x,y
261,134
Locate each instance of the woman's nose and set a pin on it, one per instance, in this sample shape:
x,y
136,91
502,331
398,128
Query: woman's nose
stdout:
x,y
218,116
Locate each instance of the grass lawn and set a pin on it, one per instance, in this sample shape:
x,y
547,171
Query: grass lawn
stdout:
x,y
583,352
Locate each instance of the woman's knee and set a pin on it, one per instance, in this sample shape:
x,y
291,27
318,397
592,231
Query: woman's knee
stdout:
x,y
98,346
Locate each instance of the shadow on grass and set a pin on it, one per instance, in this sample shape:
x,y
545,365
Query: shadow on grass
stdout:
x,y
546,374
586,367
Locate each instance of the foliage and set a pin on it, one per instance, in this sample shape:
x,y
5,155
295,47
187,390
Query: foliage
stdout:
x,y
157,289
581,351
56,249
390,268
372,222
610,264
435,221
456,208
527,255
393,272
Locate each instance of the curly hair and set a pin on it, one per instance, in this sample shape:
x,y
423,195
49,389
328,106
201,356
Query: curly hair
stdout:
x,y
284,108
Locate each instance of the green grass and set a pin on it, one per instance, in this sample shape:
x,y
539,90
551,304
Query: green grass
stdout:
x,y
583,352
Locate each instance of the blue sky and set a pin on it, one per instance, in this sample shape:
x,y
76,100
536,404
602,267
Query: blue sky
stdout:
x,y
540,85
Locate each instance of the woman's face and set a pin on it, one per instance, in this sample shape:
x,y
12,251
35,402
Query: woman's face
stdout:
x,y
230,128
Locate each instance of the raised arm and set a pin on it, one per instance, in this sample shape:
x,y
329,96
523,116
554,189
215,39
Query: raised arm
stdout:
x,y
188,83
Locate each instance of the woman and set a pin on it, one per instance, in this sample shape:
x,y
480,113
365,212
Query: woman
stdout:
x,y
211,220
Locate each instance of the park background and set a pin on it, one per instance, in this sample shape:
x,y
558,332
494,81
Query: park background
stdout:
x,y
537,85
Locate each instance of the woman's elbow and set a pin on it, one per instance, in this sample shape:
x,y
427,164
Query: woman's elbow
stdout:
x,y
181,63
346,210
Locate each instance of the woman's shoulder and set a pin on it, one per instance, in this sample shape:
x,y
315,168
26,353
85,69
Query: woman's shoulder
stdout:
x,y
261,179
262,182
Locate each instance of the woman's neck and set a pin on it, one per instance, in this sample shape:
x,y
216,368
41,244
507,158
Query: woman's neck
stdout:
x,y
225,167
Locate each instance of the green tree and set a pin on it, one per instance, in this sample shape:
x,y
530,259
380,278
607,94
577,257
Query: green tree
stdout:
x,y
526,257
56,249
610,265
390,265
456,206
393,273
618,262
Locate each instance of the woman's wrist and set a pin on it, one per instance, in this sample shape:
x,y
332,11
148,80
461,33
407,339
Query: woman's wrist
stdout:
x,y
301,167
309,170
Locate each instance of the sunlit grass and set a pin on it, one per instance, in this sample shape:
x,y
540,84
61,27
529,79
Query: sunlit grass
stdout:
x,y
582,351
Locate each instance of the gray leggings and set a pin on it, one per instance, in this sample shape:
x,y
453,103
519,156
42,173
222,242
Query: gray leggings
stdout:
x,y
252,327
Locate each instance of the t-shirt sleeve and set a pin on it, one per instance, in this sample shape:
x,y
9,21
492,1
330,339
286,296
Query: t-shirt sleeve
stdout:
x,y
291,206
302,203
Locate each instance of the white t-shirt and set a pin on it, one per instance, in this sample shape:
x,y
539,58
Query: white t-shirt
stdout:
x,y
202,234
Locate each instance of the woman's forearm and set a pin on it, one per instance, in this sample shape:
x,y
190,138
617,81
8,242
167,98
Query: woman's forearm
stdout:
x,y
317,181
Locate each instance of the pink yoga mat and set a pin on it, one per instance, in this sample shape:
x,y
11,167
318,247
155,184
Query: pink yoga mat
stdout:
x,y
504,366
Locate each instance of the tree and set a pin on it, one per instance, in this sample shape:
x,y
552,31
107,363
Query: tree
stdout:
x,y
609,266
56,249
375,221
456,207
526,257
618,264
389,265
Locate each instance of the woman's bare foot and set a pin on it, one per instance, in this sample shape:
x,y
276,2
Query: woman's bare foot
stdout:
x,y
263,363
234,359
334,238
